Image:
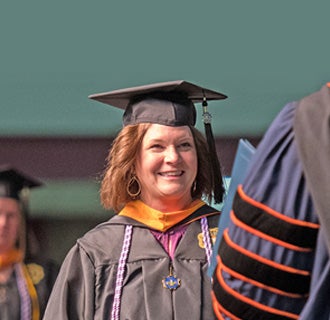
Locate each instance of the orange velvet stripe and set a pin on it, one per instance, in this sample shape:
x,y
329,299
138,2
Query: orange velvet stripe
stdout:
x,y
276,214
256,283
262,235
262,259
250,301
218,309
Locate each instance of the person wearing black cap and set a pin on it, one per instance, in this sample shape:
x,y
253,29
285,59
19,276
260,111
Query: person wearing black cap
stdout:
x,y
24,285
150,260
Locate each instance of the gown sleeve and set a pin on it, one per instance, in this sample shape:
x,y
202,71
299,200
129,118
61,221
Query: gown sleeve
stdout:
x,y
312,132
72,296
266,256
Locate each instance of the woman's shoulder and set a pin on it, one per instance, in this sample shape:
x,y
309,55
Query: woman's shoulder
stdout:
x,y
106,239
111,229
115,227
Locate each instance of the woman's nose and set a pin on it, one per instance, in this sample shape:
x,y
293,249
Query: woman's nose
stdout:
x,y
172,155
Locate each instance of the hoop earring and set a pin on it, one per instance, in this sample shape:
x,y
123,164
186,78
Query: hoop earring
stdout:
x,y
194,186
131,183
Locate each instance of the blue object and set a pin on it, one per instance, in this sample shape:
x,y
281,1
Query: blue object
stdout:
x,y
244,153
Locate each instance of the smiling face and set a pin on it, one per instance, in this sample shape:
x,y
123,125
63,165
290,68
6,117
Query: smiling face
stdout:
x,y
166,167
9,223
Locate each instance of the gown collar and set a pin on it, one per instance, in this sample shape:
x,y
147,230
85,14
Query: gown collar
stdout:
x,y
11,257
155,219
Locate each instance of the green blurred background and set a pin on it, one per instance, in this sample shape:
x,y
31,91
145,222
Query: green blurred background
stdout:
x,y
262,54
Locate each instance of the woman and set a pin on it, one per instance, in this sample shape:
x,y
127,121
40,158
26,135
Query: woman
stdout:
x,y
150,260
24,285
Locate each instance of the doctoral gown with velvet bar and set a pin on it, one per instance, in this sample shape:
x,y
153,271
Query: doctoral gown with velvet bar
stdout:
x,y
86,283
265,263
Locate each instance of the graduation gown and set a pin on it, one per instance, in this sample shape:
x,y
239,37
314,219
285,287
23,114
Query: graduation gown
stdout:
x,y
313,140
43,275
266,256
86,283
312,131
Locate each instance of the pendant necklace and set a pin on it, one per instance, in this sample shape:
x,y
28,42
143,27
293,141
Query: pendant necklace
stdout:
x,y
171,282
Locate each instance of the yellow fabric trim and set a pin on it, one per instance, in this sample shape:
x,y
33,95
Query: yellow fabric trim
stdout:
x,y
11,257
32,293
155,219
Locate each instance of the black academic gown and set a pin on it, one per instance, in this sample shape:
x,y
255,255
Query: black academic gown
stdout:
x,y
43,275
86,283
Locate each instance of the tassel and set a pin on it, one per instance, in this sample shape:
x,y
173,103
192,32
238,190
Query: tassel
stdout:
x,y
218,187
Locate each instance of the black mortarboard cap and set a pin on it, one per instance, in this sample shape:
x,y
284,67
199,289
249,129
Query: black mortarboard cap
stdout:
x,y
13,181
168,103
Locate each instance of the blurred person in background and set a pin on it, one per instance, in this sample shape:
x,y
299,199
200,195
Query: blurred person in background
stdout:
x,y
26,280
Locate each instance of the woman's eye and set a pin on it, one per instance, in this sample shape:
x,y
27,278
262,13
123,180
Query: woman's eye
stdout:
x,y
185,145
156,146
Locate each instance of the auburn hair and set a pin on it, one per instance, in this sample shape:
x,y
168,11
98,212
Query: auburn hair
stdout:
x,y
120,165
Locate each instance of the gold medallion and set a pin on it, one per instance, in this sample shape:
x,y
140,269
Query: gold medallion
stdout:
x,y
36,272
213,235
